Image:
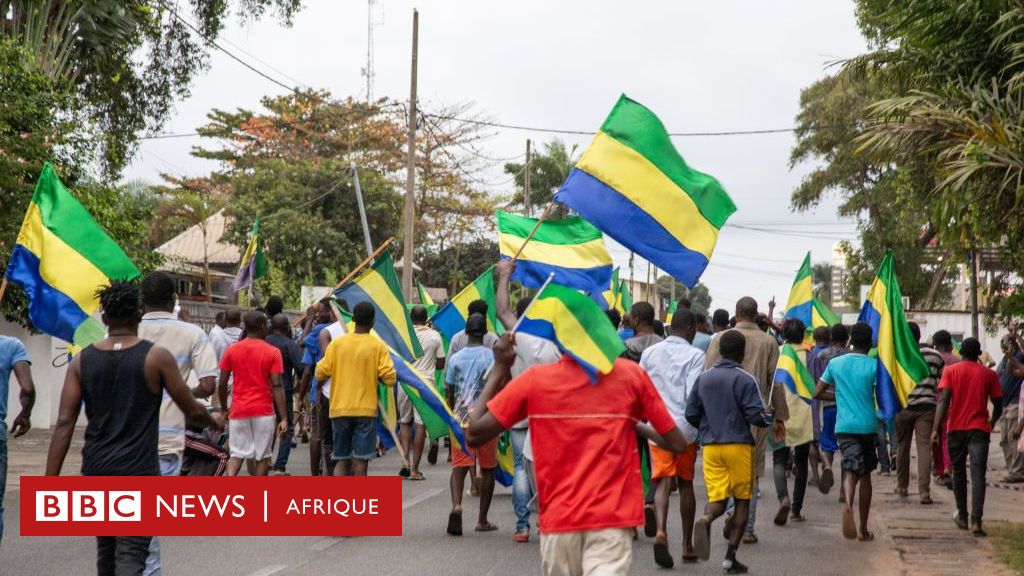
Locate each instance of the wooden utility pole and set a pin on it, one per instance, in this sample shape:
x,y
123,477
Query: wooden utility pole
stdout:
x,y
972,258
526,181
410,166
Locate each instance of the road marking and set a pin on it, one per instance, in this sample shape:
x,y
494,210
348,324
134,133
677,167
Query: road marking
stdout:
x,y
321,545
268,570
422,498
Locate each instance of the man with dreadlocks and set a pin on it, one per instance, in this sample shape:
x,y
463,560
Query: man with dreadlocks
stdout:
x,y
121,380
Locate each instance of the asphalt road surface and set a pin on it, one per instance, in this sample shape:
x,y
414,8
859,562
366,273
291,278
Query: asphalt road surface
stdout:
x,y
815,547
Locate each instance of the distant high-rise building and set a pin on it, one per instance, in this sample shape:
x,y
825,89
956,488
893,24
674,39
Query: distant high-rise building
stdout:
x,y
839,276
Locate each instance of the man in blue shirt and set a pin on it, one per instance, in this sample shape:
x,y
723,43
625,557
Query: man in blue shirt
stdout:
x,y
822,338
853,377
1011,375
465,372
307,385
13,357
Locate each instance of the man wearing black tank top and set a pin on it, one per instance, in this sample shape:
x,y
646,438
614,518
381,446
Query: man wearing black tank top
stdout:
x,y
121,380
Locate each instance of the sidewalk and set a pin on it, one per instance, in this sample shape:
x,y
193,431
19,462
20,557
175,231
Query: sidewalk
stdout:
x,y
928,542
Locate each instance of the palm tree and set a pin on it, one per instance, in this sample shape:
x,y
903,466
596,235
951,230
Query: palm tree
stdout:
x,y
192,202
821,280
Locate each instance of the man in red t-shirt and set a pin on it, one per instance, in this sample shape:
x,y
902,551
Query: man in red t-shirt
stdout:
x,y
588,481
965,390
256,394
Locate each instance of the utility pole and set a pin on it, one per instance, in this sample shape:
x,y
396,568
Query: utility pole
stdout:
x,y
410,166
526,181
972,258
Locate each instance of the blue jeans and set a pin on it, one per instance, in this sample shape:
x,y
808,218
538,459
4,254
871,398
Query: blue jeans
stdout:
x,y
3,473
170,465
284,449
522,492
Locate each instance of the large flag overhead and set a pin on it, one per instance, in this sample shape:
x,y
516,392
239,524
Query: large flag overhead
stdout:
x,y
571,248
254,264
451,318
792,372
802,304
633,185
900,364
577,325
60,259
379,286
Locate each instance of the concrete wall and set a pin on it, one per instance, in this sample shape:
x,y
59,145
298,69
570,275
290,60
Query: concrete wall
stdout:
x,y
49,364
957,323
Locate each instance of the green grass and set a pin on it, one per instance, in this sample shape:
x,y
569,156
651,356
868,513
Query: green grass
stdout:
x,y
1009,542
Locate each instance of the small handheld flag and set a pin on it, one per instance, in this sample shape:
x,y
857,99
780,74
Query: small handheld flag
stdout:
x,y
802,304
792,372
574,323
451,318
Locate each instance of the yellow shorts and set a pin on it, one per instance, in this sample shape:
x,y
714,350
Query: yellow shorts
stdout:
x,y
728,471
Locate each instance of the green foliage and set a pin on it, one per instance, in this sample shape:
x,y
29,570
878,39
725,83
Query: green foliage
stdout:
x,y
888,198
699,296
457,265
127,60
292,167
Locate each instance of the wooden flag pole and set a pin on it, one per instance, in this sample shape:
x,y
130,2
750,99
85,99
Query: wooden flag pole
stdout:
x,y
356,270
534,231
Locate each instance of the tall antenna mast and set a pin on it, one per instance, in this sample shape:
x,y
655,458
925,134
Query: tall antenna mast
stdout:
x,y
368,70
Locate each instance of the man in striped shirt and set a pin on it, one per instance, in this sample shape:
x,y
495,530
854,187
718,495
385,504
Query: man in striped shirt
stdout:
x,y
193,352
917,419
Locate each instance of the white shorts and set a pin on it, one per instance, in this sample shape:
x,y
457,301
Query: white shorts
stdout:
x,y
251,437
406,413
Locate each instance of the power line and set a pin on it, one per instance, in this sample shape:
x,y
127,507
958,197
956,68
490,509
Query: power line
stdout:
x,y
591,132
174,13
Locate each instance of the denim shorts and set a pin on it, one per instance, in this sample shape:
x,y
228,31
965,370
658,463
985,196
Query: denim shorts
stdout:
x,y
354,437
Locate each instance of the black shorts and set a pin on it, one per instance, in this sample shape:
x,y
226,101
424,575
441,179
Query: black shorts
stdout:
x,y
858,450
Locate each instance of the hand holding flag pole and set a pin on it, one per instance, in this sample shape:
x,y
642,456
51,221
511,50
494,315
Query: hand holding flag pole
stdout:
x,y
356,270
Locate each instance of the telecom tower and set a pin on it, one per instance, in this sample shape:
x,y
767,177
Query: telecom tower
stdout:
x,y
371,21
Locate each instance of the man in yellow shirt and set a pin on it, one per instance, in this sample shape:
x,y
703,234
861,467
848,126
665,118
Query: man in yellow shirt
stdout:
x,y
355,363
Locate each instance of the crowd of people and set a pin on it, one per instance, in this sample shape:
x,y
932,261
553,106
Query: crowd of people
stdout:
x,y
159,392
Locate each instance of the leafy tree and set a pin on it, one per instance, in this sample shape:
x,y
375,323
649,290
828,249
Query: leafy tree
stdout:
x,y
457,264
881,193
699,295
127,60
292,166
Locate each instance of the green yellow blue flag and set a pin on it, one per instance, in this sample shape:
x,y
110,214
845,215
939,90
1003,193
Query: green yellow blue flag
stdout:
x,y
803,306
451,318
572,249
577,325
60,259
633,185
505,471
792,372
254,264
379,286
900,364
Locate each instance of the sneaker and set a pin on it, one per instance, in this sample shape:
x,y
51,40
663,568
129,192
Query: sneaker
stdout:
x,y
734,567
1012,479
782,516
662,557
797,517
432,453
521,537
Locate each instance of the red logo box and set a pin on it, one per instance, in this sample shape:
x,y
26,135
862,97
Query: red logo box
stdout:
x,y
211,506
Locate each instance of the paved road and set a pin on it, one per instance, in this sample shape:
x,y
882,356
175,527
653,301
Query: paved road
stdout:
x,y
813,548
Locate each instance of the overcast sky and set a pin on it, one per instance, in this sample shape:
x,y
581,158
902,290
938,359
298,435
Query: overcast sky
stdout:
x,y
700,66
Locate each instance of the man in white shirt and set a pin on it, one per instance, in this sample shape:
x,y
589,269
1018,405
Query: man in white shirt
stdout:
x,y
193,352
409,420
674,365
530,351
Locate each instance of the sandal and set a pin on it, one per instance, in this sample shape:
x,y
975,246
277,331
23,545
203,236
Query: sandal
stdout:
x,y
521,537
691,559
488,527
749,538
455,523
417,476
662,557
977,532
867,536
